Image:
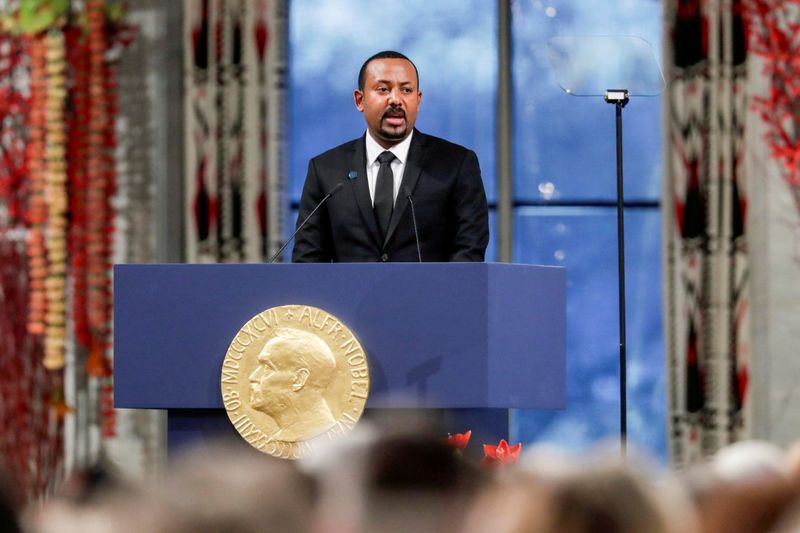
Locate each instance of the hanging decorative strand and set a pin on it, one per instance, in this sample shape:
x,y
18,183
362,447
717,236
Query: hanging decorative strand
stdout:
x,y
78,120
30,442
108,415
56,200
37,207
14,108
57,179
98,206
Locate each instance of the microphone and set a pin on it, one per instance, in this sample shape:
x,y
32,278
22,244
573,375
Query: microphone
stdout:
x,y
303,223
413,219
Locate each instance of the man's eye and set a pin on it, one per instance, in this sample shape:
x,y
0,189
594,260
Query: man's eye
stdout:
x,y
382,89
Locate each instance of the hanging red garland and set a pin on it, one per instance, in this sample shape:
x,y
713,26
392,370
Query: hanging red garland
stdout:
x,y
37,206
30,442
98,196
14,106
78,120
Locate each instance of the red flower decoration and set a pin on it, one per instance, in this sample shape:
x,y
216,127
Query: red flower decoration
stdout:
x,y
501,454
459,440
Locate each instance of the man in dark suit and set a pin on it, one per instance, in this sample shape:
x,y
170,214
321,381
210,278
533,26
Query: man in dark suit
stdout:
x,y
387,172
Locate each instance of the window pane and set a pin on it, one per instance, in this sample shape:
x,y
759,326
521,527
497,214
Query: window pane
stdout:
x,y
584,241
564,146
452,42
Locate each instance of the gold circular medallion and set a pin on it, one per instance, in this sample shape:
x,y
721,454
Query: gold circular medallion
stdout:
x,y
292,376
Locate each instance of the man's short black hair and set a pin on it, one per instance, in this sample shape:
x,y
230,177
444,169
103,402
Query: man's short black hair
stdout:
x,y
386,54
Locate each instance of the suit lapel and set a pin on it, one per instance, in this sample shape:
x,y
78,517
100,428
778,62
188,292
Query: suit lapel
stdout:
x,y
360,187
410,178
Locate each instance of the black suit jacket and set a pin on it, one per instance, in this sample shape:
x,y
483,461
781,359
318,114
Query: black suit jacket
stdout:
x,y
447,192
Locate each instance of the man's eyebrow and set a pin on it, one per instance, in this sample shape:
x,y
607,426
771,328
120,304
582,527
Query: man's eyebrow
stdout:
x,y
390,81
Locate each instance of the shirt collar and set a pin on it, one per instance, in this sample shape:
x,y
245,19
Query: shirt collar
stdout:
x,y
400,150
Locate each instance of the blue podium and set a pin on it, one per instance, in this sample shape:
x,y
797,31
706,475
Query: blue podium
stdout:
x,y
457,336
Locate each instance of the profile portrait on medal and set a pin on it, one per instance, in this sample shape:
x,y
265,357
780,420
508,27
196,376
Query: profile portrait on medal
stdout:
x,y
290,383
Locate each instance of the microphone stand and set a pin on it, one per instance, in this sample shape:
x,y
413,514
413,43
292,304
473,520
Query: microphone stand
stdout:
x,y
302,224
620,99
414,220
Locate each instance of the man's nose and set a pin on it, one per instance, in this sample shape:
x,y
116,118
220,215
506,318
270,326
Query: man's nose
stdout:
x,y
394,96
254,374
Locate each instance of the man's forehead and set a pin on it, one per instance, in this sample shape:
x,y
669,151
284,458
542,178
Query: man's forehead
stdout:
x,y
393,67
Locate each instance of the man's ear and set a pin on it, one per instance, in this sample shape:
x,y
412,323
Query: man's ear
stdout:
x,y
300,378
358,98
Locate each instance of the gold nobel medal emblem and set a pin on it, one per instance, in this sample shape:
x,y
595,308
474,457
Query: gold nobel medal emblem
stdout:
x,y
294,375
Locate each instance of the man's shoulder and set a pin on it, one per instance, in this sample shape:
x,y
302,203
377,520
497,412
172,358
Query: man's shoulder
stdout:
x,y
441,146
337,152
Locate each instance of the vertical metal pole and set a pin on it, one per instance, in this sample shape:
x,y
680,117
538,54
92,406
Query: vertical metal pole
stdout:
x,y
505,184
505,189
623,389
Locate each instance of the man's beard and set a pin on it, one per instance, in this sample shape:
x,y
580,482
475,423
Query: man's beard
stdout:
x,y
394,134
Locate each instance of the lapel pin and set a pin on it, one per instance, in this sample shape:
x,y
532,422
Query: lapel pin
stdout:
x,y
352,175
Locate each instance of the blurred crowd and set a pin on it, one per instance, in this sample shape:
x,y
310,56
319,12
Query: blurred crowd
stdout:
x,y
418,483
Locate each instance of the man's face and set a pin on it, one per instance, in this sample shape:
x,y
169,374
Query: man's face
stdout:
x,y
270,383
390,99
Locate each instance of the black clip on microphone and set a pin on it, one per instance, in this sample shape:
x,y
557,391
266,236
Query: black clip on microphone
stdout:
x,y
414,220
302,224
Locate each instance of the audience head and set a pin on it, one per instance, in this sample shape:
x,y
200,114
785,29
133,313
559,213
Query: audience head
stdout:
x,y
397,482
232,488
746,487
750,460
417,484
91,499
598,494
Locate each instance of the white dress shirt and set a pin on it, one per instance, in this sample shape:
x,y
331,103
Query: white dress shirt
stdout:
x,y
400,151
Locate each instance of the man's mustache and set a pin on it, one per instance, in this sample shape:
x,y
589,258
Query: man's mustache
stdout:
x,y
394,112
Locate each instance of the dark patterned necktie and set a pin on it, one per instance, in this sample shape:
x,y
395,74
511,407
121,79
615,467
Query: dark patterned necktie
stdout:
x,y
384,193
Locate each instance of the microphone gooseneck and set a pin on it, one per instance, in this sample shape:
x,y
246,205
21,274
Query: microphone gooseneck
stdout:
x,y
303,223
413,220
